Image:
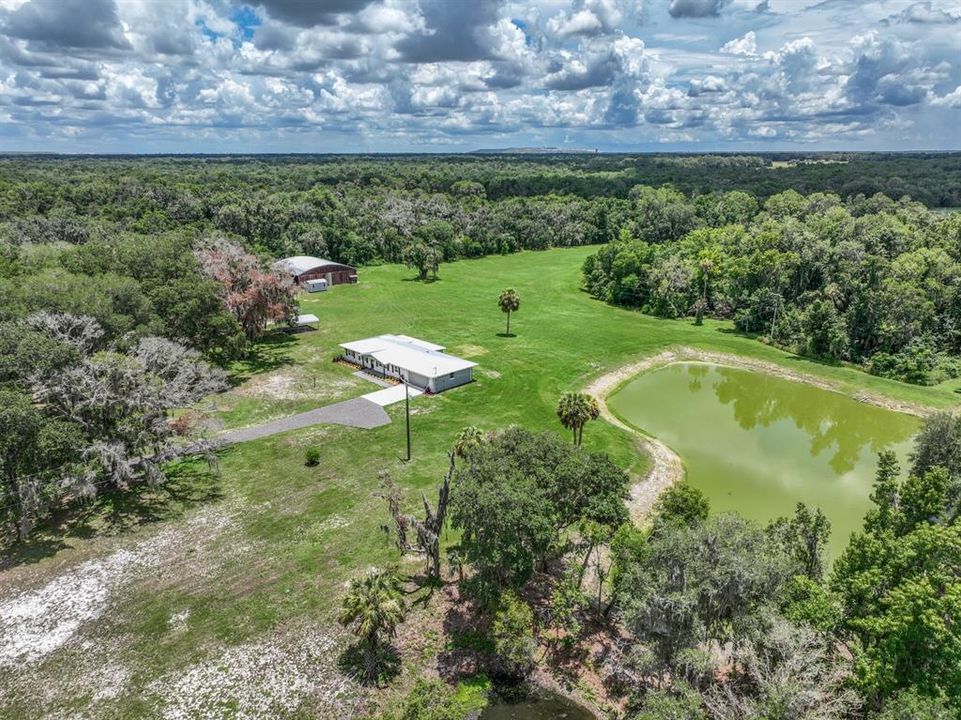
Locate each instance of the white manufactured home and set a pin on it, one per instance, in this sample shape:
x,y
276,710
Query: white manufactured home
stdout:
x,y
422,364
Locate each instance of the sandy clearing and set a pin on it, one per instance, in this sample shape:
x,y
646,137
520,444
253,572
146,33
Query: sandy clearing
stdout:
x,y
262,679
666,466
36,622
294,384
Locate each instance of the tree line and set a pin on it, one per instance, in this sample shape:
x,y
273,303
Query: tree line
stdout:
x,y
868,280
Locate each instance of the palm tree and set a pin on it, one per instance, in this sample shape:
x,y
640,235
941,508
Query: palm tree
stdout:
x,y
468,440
373,607
510,302
575,410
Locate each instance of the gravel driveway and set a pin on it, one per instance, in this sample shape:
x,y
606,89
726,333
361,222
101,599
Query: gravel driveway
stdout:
x,y
359,413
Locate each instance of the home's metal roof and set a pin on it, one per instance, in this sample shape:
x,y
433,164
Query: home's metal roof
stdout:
x,y
411,354
299,264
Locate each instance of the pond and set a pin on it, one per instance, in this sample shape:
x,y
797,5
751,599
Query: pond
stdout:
x,y
759,444
540,704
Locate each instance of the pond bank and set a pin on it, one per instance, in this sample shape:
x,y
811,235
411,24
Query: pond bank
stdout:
x,y
666,466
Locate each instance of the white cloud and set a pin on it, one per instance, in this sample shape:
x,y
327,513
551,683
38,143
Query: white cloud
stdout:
x,y
746,45
951,99
583,22
405,74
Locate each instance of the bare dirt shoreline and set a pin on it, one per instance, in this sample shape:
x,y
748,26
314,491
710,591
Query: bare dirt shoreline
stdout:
x,y
666,466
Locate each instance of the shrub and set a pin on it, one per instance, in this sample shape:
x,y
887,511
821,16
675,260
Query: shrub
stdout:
x,y
513,635
682,504
312,456
436,700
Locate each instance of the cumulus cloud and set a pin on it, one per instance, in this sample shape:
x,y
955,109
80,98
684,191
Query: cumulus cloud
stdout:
x,y
878,64
708,84
927,13
746,45
589,18
453,31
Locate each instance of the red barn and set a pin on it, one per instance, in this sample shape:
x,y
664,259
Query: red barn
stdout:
x,y
305,267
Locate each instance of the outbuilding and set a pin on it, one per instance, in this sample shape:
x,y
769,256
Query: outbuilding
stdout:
x,y
417,362
304,268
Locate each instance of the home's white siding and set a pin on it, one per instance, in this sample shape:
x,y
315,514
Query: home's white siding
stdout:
x,y
420,381
446,382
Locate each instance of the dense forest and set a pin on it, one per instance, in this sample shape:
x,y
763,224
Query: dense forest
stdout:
x,y
867,280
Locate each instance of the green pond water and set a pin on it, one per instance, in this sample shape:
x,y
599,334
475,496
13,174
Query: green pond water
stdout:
x,y
759,444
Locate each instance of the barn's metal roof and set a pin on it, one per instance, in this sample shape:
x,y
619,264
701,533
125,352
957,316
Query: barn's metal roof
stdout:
x,y
299,264
411,354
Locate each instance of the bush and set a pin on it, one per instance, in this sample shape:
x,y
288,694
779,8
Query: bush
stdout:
x,y
680,702
312,456
910,705
913,364
682,504
436,700
513,635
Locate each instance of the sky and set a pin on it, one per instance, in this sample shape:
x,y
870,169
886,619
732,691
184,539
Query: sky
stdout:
x,y
195,76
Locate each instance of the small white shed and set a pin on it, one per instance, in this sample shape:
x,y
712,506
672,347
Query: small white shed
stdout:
x,y
316,285
309,320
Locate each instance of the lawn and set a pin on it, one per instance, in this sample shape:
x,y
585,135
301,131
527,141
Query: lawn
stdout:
x,y
223,569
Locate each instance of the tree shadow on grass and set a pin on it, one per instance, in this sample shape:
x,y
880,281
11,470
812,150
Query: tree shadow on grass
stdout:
x,y
423,591
425,281
116,511
371,670
469,648
271,352
506,335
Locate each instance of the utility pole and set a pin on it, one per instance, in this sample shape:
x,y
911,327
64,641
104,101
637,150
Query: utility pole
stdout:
x,y
407,413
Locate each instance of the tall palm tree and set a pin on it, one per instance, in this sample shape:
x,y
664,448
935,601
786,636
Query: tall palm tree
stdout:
x,y
510,302
373,607
575,410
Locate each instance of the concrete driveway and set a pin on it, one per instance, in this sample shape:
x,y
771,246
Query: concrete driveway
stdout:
x,y
391,395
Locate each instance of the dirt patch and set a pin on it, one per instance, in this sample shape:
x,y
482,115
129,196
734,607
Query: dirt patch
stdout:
x,y
469,351
666,466
492,374
295,384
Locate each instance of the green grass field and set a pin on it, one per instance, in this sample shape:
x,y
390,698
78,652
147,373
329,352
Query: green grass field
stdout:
x,y
293,535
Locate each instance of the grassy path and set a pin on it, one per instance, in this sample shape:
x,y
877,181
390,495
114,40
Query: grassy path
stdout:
x,y
291,536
